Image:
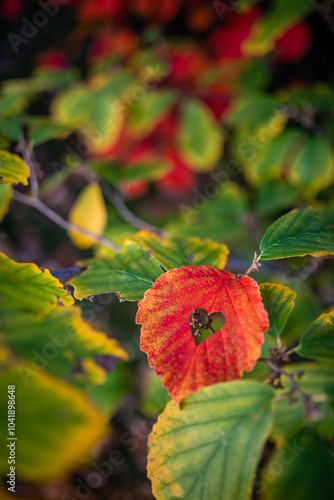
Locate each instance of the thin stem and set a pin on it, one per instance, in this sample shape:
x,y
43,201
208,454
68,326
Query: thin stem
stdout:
x,y
117,201
255,265
69,226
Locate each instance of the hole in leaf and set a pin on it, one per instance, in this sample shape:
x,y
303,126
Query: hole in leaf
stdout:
x,y
203,325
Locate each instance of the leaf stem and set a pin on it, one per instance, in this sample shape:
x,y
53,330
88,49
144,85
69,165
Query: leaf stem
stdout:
x,y
64,224
25,149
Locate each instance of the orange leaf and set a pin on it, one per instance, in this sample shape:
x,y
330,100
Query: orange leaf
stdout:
x,y
167,339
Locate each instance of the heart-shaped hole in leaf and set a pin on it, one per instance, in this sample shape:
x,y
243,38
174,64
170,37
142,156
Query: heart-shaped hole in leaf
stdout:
x,y
203,325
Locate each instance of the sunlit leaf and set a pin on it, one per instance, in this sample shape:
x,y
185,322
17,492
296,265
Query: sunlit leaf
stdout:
x,y
89,212
318,340
174,252
29,287
210,447
200,136
44,407
167,339
278,301
128,273
13,170
298,233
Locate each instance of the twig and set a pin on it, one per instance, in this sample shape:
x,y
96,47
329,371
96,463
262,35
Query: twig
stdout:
x,y
325,11
69,226
310,410
117,201
28,158
27,154
255,266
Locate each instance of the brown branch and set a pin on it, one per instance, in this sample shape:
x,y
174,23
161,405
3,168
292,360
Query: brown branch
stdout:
x,y
25,149
311,411
64,224
117,201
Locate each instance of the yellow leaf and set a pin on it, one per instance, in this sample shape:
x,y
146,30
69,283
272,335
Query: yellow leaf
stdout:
x,y
57,428
13,170
88,212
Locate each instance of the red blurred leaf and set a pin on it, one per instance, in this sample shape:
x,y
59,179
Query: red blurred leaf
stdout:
x,y
294,44
167,339
227,40
180,179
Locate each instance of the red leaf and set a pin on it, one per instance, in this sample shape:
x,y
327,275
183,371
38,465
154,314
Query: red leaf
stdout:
x,y
169,343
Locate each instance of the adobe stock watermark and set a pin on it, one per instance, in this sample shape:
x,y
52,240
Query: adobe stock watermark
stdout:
x,y
31,27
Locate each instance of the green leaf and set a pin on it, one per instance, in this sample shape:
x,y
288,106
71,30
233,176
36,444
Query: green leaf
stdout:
x,y
150,170
255,113
11,128
73,107
281,16
221,218
43,407
200,136
55,341
278,301
172,252
42,130
210,447
270,163
277,196
148,112
108,395
29,287
298,233
318,378
313,167
128,274
5,199
13,170
154,395
301,469
318,340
